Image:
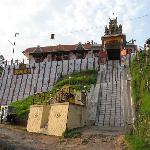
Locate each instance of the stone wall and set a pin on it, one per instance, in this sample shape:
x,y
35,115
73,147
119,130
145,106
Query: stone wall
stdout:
x,y
76,116
37,117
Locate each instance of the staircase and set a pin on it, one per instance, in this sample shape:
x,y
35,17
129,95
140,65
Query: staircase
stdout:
x,y
110,110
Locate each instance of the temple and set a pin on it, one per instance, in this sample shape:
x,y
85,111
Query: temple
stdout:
x,y
63,52
94,87
113,42
47,64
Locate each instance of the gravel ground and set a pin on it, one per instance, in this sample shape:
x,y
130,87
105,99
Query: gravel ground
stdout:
x,y
16,138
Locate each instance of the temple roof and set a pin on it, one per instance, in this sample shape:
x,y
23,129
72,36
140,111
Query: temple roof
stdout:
x,y
38,50
60,47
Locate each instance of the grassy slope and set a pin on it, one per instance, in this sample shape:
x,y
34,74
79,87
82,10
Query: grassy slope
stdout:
x,y
77,81
140,137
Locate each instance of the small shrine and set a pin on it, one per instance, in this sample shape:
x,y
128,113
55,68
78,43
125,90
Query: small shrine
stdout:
x,y
69,94
66,111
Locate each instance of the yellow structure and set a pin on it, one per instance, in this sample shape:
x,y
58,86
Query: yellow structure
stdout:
x,y
38,118
56,118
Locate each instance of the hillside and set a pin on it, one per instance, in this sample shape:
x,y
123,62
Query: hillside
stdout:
x,y
139,139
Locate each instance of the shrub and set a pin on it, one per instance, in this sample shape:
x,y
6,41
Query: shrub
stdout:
x,y
140,140
71,134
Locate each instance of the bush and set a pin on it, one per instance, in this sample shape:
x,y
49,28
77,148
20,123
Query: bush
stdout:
x,y
140,139
71,134
22,107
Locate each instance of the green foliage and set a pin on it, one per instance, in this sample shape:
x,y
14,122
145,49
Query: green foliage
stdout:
x,y
71,134
145,107
136,143
77,81
140,71
22,107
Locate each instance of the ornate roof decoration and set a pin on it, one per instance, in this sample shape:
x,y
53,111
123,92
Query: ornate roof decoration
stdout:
x,y
148,41
80,46
113,28
38,50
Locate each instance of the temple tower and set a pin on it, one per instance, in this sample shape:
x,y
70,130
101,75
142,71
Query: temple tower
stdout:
x,y
113,40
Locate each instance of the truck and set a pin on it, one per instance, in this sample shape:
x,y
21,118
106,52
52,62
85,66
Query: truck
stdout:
x,y
7,114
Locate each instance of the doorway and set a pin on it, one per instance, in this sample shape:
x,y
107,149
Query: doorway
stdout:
x,y
113,54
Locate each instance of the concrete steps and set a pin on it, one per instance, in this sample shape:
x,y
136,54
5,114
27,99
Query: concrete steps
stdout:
x,y
110,109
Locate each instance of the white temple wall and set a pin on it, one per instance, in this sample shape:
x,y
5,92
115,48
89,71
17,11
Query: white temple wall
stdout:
x,y
72,56
42,78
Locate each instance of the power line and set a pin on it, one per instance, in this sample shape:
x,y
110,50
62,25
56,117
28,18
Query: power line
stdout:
x,y
85,29
140,17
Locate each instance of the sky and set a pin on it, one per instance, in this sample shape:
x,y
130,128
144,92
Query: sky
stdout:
x,y
71,21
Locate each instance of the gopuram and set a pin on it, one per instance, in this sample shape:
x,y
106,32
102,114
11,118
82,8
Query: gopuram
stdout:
x,y
114,41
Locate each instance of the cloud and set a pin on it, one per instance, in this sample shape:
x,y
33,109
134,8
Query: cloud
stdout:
x,y
72,21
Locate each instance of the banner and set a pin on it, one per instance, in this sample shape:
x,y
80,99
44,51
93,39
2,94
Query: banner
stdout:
x,y
22,71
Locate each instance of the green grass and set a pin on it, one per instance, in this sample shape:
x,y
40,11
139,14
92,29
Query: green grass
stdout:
x,y
145,108
22,107
71,134
136,143
78,81
140,71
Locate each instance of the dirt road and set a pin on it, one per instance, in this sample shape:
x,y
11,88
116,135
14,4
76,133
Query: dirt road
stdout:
x,y
16,138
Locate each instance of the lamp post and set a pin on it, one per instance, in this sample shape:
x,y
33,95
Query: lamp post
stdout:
x,y
57,95
49,97
34,95
44,96
84,96
69,80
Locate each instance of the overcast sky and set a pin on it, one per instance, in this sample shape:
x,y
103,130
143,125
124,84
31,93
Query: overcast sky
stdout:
x,y
72,21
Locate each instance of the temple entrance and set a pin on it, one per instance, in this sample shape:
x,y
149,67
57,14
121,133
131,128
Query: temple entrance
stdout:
x,y
113,54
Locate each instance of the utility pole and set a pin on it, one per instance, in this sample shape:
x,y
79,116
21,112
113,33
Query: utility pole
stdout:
x,y
13,43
